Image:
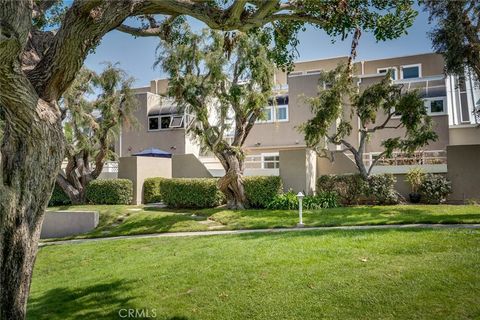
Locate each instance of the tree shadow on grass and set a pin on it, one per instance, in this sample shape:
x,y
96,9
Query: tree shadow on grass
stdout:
x,y
99,301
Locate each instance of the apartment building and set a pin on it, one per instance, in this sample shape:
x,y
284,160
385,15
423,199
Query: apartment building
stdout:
x,y
450,102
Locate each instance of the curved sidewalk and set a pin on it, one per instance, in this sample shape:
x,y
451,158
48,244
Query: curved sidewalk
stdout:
x,y
225,232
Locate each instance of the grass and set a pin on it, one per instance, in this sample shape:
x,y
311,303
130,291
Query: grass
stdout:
x,y
375,274
130,220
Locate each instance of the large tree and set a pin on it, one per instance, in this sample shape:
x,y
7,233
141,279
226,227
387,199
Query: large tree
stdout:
x,y
91,126
457,33
43,47
339,103
219,77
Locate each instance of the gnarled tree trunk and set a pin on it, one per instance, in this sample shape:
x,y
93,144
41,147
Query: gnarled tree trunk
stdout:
x,y
27,182
231,184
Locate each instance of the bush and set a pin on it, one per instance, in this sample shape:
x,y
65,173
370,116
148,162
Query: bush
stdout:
x,y
151,190
110,191
324,199
415,177
260,191
381,189
284,201
435,189
289,201
59,198
349,188
191,193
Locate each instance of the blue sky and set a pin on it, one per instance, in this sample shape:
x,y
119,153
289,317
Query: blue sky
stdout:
x,y
137,55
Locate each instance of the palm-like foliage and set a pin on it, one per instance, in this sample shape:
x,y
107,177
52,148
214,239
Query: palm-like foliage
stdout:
x,y
91,125
225,81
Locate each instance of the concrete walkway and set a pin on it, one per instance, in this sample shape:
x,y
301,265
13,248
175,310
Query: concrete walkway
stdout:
x,y
225,232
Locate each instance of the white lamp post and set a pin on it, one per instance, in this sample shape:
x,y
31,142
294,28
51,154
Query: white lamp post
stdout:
x,y
300,209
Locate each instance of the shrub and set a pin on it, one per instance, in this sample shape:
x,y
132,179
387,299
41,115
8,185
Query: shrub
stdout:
x,y
349,188
151,190
110,191
435,188
191,193
415,177
284,201
324,199
260,191
381,189
289,201
59,198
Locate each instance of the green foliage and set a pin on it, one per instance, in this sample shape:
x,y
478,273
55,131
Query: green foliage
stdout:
x,y
59,197
381,189
151,190
289,201
191,193
284,201
435,189
456,33
261,190
380,98
325,199
349,188
415,178
110,191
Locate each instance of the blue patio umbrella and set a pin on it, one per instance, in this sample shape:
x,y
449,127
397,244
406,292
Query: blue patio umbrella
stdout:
x,y
153,152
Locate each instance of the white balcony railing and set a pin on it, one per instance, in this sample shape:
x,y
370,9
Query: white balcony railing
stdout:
x,y
427,157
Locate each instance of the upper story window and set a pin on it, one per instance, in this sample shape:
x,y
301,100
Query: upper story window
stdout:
x,y
436,106
277,111
385,70
153,123
165,122
270,161
411,71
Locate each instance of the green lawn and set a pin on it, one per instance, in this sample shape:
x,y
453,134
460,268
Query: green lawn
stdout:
x,y
376,274
130,220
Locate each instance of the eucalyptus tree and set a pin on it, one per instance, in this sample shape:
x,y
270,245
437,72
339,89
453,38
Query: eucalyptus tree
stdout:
x,y
456,34
220,77
90,126
43,45
339,103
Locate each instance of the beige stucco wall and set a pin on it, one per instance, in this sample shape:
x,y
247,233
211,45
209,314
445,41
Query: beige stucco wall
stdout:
x,y
463,172
137,169
188,166
341,165
297,170
432,63
137,138
464,135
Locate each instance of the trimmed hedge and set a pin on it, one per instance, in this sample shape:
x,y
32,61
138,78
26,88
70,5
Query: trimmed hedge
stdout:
x,y
59,198
151,190
261,190
191,193
110,191
381,189
289,201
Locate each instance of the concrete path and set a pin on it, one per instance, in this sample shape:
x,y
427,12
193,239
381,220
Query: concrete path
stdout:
x,y
224,232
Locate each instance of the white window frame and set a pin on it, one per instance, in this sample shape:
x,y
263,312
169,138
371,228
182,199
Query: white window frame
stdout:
x,y
148,123
427,102
271,154
160,121
389,68
275,113
181,122
419,65
272,117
